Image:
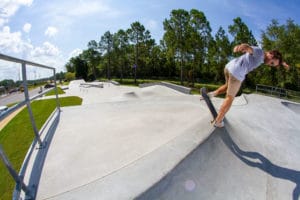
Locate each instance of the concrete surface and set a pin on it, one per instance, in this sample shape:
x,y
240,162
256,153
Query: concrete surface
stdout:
x,y
157,143
256,156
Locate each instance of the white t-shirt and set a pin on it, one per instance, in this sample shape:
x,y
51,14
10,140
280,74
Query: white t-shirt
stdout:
x,y
241,66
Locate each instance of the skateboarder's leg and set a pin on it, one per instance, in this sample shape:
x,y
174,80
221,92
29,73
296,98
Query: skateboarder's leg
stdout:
x,y
232,89
223,88
220,90
224,109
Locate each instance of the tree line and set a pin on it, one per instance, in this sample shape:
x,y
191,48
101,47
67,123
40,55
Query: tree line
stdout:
x,y
187,52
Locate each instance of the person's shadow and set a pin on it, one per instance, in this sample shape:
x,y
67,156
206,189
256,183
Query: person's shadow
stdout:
x,y
263,163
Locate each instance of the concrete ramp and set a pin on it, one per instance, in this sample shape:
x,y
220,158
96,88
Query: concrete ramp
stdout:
x,y
117,150
220,169
295,107
256,156
155,91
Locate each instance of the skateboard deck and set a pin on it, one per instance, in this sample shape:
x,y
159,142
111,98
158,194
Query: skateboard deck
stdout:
x,y
208,102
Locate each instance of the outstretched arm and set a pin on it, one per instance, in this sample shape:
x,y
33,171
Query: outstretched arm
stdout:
x,y
285,65
243,48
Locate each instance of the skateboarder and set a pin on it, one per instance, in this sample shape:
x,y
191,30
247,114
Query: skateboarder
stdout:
x,y
236,70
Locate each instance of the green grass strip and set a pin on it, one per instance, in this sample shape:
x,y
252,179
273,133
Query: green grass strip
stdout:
x,y
17,136
52,92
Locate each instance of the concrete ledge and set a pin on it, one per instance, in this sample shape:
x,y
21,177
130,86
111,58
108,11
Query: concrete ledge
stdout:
x,y
240,101
65,87
179,88
114,82
95,84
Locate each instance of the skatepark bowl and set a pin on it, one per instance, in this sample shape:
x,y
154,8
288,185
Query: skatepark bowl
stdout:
x,y
158,143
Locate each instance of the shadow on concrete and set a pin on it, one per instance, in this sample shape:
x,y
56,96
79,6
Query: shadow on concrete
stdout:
x,y
199,170
295,107
262,163
40,157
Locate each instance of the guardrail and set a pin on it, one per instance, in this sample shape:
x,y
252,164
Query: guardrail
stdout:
x,y
272,90
18,176
276,91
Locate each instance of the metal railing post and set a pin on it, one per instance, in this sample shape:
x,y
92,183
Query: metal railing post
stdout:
x,y
18,178
12,172
56,92
27,100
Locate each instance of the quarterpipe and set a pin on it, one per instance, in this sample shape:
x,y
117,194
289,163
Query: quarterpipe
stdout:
x,y
249,159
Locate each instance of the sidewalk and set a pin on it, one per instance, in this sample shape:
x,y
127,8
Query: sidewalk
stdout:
x,y
4,122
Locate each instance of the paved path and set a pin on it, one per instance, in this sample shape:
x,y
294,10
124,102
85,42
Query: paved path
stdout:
x,y
5,121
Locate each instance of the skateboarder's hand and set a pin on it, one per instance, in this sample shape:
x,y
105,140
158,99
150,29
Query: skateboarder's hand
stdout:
x,y
243,48
286,66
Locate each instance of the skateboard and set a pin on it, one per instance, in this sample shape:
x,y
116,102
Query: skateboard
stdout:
x,y
209,104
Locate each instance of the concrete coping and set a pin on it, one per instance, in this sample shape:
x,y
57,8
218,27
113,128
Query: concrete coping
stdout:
x,y
114,82
179,88
240,101
99,85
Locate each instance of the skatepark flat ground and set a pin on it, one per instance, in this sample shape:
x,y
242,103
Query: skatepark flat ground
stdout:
x,y
157,143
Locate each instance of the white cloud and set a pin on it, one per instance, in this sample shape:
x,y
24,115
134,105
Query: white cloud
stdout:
x,y
8,8
2,21
88,8
11,42
51,31
67,13
27,28
56,62
75,53
48,54
47,49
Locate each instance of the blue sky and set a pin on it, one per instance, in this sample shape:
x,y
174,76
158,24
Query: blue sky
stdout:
x,y
50,32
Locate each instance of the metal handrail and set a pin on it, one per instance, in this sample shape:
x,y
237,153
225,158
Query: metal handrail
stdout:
x,y
18,177
17,60
277,91
272,90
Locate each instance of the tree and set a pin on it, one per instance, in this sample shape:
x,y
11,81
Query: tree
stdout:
x,y
121,48
199,40
60,76
138,35
241,33
81,68
70,65
176,34
106,46
93,56
8,83
222,53
69,76
169,59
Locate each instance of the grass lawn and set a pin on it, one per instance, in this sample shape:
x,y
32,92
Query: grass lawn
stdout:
x,y
52,92
17,136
